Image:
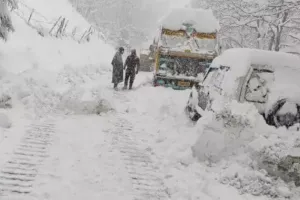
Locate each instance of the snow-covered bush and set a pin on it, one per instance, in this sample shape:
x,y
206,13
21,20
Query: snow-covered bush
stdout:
x,y
4,121
94,107
271,164
255,182
280,160
81,101
5,101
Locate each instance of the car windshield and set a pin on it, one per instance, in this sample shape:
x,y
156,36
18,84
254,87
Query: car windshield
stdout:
x,y
209,73
215,75
172,65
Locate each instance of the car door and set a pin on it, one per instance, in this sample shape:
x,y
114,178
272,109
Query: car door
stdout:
x,y
212,86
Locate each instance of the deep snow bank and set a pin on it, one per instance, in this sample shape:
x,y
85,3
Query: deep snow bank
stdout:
x,y
252,155
39,72
161,126
223,133
226,151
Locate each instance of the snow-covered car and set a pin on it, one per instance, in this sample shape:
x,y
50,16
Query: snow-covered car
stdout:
x,y
269,80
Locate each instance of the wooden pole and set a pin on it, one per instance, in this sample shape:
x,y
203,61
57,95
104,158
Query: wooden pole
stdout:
x,y
54,25
30,15
74,31
83,36
59,30
64,29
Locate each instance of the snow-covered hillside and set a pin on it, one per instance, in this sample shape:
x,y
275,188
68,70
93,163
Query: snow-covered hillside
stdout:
x,y
49,52
36,71
30,62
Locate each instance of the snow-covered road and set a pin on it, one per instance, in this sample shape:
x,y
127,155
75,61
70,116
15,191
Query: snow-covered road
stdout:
x,y
139,149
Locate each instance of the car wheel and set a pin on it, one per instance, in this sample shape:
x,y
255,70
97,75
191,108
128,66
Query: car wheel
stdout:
x,y
277,120
191,112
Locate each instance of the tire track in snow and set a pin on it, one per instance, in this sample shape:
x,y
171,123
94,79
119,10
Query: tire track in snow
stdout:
x,y
18,174
146,181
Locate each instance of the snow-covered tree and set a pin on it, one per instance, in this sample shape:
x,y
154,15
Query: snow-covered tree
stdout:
x,y
263,24
5,20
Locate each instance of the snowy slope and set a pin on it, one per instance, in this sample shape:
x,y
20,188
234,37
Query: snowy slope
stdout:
x,y
51,53
45,16
34,70
28,57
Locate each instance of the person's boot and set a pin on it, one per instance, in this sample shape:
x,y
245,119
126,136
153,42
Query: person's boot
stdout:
x,y
125,87
130,86
115,86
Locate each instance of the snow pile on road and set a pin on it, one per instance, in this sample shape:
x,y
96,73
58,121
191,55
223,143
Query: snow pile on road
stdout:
x,y
226,131
85,101
222,152
159,116
251,154
84,91
266,168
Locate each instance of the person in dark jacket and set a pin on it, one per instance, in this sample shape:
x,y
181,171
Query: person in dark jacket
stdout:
x,y
133,65
117,63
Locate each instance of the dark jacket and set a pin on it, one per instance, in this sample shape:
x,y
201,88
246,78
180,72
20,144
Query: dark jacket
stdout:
x,y
117,63
131,62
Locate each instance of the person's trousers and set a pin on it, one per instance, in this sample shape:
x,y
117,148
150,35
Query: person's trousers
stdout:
x,y
129,75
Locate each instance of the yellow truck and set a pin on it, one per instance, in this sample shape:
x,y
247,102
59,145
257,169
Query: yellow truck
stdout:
x,y
185,47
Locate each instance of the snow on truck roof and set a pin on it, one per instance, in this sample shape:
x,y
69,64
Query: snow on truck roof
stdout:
x,y
202,20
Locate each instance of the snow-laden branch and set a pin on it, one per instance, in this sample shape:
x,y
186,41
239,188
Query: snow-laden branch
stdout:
x,y
262,24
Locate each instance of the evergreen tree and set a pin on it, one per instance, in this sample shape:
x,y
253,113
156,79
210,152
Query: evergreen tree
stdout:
x,y
5,20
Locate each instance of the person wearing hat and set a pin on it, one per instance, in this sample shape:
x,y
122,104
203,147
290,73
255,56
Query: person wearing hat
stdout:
x,y
133,65
117,63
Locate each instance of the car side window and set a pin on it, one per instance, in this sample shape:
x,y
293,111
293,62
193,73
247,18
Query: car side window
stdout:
x,y
257,88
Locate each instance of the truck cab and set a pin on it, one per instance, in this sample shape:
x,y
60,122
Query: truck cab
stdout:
x,y
185,48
